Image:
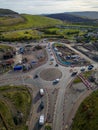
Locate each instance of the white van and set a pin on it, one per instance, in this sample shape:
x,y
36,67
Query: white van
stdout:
x,y
41,92
41,120
52,58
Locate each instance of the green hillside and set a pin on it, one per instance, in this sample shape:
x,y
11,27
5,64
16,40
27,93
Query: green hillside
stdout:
x,y
15,104
31,21
87,116
9,17
9,21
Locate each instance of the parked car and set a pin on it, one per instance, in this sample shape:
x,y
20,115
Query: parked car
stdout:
x,y
90,67
42,105
41,120
82,69
74,73
36,76
56,81
56,65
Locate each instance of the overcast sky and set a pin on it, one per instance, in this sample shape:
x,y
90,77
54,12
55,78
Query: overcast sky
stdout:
x,y
49,6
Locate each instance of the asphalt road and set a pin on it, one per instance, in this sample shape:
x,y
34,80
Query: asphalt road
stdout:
x,y
17,78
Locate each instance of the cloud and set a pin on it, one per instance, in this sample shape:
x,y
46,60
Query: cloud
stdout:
x,y
49,6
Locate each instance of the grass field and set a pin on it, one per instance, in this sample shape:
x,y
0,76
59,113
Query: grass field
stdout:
x,y
14,107
7,21
31,21
87,115
5,48
21,35
66,33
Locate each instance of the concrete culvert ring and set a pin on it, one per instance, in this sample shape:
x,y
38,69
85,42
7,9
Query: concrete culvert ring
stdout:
x,y
50,74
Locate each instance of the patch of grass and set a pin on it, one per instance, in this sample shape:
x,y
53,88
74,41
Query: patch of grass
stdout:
x,y
85,74
57,44
20,35
5,47
66,33
7,21
48,127
77,80
7,87
19,99
5,112
87,115
14,98
88,73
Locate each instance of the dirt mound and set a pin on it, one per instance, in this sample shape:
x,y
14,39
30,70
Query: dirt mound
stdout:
x,y
50,74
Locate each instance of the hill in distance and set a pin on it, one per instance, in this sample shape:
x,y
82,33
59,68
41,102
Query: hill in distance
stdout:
x,y
7,12
68,17
85,14
9,17
9,21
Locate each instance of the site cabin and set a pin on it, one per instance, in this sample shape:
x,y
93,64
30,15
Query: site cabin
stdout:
x,y
19,67
41,120
41,91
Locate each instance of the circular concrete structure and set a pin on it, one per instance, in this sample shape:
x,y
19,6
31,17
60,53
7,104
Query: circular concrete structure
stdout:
x,y
50,74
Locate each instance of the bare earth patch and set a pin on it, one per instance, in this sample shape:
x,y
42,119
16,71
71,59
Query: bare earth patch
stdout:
x,y
50,74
